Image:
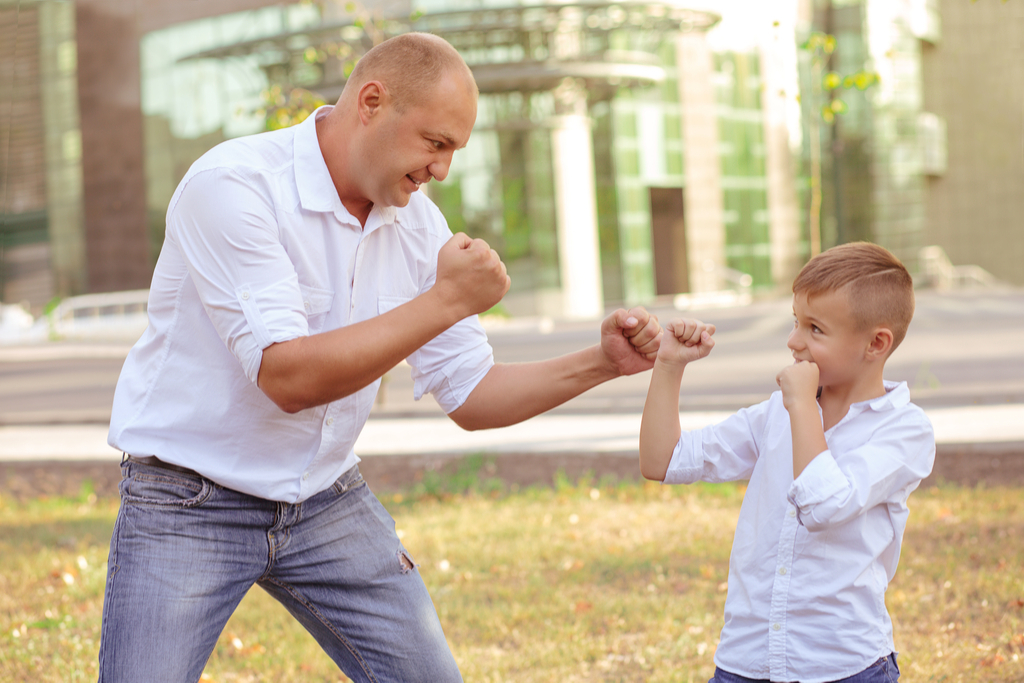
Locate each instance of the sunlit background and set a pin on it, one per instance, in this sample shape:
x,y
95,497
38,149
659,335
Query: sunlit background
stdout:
x,y
624,152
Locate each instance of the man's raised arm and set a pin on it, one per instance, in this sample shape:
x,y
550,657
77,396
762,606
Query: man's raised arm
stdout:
x,y
511,393
310,371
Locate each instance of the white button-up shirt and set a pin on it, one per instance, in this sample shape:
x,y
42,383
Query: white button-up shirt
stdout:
x,y
259,249
811,558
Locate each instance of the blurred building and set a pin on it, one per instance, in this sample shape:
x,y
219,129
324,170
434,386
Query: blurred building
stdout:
x,y
623,151
934,153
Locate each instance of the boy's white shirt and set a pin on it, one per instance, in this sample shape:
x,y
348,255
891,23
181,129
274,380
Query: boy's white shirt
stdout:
x,y
812,558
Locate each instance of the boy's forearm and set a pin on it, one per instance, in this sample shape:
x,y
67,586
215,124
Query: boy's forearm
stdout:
x,y
808,435
659,429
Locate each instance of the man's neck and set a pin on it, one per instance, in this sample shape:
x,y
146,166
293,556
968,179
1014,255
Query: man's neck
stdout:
x,y
334,149
359,210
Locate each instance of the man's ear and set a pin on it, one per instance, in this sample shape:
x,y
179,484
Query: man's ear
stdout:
x,y
881,344
369,100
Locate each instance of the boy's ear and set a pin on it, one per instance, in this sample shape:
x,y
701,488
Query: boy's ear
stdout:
x,y
880,344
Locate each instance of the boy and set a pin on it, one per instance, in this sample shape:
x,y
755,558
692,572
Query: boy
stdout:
x,y
830,459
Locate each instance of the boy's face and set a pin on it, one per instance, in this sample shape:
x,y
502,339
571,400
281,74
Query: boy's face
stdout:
x,y
825,333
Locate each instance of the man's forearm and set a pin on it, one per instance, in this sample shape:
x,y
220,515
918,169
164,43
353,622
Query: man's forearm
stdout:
x,y
513,392
659,428
311,371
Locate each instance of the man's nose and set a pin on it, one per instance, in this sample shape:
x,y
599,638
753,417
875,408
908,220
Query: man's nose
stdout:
x,y
439,167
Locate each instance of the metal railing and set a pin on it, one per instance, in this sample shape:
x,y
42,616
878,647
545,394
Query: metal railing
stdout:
x,y
939,272
100,315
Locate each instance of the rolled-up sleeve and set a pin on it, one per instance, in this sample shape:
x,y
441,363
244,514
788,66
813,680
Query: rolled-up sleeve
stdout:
x,y
831,491
726,451
223,223
451,365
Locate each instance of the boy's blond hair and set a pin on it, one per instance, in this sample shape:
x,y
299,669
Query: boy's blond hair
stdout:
x,y
878,287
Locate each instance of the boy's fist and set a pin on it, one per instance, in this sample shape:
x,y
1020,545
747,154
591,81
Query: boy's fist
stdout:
x,y
798,381
685,341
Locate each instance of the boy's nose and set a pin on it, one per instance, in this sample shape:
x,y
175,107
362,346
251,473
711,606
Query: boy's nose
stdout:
x,y
794,342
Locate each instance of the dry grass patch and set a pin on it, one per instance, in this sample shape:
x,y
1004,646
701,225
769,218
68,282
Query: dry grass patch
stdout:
x,y
583,582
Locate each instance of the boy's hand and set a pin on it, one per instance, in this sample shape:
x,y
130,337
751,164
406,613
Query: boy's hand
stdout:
x,y
685,341
799,383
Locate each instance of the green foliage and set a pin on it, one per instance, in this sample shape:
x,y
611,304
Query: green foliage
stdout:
x,y
285,104
472,475
830,85
51,305
284,110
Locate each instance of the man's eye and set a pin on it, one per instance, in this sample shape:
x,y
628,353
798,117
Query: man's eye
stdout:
x,y
437,144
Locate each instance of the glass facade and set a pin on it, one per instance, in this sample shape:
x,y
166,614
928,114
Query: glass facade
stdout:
x,y
191,104
206,81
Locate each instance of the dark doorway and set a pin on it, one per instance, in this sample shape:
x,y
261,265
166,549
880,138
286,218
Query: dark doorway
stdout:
x,y
668,241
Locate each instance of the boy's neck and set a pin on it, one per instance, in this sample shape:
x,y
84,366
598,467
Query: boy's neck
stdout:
x,y
835,400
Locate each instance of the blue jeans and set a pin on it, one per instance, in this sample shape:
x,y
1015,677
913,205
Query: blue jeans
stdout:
x,y
185,551
882,671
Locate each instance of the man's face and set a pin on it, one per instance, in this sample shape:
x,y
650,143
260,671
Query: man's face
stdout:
x,y
825,333
410,147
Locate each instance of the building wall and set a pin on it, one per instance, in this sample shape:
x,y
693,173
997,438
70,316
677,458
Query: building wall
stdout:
x,y
116,225
24,250
974,79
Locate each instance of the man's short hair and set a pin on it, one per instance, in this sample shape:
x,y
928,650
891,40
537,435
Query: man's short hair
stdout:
x,y
409,65
877,285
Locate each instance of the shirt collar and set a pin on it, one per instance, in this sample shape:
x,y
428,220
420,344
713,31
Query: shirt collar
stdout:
x,y
316,188
897,395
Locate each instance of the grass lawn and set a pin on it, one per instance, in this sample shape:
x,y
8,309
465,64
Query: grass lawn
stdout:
x,y
582,582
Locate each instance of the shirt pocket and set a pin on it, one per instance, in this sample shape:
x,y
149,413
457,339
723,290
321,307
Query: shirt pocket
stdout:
x,y
387,303
317,303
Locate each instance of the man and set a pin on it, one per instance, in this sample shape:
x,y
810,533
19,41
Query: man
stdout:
x,y
299,266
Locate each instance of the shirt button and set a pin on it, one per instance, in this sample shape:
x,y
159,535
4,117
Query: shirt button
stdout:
x,y
330,421
792,512
776,626
782,571
245,295
306,304
305,476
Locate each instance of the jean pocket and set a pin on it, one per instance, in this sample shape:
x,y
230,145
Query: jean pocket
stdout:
x,y
350,480
153,486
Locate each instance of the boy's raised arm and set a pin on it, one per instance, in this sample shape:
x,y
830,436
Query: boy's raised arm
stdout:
x,y
684,341
799,384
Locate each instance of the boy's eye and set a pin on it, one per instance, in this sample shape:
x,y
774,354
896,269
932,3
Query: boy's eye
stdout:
x,y
814,328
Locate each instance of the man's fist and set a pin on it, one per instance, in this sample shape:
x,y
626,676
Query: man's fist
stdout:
x,y
470,275
629,340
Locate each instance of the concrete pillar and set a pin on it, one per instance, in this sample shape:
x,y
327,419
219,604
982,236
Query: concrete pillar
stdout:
x,y
781,117
58,59
705,227
579,256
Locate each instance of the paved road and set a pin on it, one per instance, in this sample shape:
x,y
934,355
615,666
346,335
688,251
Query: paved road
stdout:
x,y
964,348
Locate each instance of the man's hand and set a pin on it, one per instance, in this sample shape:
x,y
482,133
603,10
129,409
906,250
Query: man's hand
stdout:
x,y
799,384
470,276
630,339
685,341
